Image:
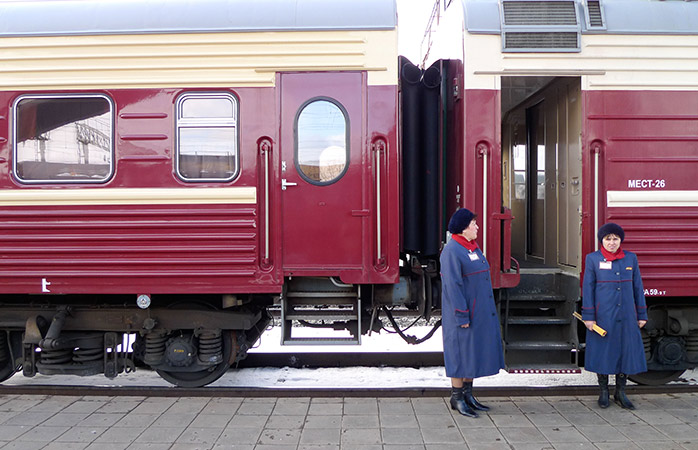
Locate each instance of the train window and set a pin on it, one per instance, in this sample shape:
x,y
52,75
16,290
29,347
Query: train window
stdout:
x,y
207,137
322,141
520,171
63,139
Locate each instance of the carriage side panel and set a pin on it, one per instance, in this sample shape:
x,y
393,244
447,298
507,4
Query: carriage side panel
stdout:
x,y
145,229
648,142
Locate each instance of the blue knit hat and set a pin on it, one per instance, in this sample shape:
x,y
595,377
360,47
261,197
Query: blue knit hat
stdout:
x,y
460,220
611,228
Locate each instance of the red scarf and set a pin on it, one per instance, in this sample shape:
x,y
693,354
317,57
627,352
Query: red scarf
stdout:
x,y
612,256
470,245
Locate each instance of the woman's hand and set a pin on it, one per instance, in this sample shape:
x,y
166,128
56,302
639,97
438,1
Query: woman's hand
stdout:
x,y
590,324
465,326
641,323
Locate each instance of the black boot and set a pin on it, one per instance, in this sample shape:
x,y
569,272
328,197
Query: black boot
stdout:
x,y
619,396
603,396
470,400
458,403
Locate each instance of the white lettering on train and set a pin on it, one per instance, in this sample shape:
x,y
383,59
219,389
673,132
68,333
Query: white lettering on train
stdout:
x,y
44,285
654,292
646,184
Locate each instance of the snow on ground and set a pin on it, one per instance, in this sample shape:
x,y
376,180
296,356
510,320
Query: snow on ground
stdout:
x,y
350,377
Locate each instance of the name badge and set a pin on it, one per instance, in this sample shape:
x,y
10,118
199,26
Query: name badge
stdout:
x,y
605,265
473,256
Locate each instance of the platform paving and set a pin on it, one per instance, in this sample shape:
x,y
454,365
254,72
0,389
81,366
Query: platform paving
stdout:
x,y
660,422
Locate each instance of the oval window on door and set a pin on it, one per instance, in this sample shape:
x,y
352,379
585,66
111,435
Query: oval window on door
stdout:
x,y
322,141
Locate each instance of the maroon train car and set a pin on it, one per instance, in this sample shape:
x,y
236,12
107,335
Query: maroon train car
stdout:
x,y
167,185
175,178
566,115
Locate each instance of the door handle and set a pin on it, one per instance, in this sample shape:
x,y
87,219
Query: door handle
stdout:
x,y
285,184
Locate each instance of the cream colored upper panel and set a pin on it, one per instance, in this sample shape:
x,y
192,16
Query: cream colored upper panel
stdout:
x,y
647,198
116,196
192,60
618,62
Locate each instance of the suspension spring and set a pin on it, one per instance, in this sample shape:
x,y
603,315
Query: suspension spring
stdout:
x,y
647,343
154,348
210,346
83,355
57,356
692,343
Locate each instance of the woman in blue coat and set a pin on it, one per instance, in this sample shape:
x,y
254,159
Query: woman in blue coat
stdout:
x,y
472,340
613,298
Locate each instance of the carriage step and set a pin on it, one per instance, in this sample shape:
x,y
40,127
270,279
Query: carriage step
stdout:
x,y
539,345
543,369
320,341
538,321
307,297
537,298
326,309
321,315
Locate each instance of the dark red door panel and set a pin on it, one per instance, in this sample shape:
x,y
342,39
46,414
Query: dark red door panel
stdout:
x,y
323,214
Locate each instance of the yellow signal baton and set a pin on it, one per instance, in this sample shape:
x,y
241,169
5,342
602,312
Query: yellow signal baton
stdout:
x,y
596,328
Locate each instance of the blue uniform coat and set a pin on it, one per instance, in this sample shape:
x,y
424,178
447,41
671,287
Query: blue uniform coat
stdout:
x,y
467,298
615,299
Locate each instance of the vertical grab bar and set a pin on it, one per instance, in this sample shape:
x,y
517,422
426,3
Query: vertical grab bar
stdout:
x,y
596,149
483,150
596,198
264,147
379,146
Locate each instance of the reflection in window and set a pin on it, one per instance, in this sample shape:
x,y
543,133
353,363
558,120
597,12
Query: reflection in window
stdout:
x,y
207,146
541,172
322,148
207,107
520,171
63,139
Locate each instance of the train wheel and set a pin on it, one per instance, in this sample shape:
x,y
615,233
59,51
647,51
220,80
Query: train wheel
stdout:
x,y
656,377
204,377
10,345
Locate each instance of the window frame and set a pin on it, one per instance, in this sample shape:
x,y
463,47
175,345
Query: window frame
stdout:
x,y
347,136
15,133
207,122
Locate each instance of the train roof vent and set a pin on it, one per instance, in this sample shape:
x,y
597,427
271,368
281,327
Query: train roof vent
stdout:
x,y
540,26
537,12
595,15
537,41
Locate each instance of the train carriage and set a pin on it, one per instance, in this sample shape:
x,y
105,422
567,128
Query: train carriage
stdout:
x,y
194,160
180,176
577,113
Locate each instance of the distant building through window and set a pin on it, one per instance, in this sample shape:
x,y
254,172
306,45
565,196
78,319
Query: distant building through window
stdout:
x,y
207,137
63,139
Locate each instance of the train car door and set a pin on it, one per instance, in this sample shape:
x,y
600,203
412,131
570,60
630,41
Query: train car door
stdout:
x,y
542,148
569,175
537,186
321,176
